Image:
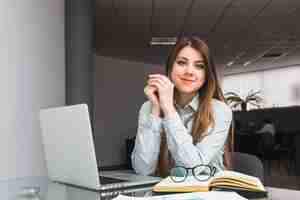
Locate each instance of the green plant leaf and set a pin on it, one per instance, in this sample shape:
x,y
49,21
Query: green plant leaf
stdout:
x,y
252,98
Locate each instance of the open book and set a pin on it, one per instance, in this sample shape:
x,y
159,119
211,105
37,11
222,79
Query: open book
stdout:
x,y
245,185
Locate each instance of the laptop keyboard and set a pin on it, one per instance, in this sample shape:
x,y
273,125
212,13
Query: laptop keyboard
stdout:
x,y
107,180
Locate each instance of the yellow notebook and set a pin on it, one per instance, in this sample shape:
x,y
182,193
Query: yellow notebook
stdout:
x,y
224,180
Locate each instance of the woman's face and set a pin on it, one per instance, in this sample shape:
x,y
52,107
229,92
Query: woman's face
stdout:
x,y
188,71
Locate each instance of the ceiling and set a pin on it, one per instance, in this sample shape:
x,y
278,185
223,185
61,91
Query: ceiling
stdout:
x,y
243,35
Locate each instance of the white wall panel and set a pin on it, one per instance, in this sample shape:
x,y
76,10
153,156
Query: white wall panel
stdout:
x,y
279,87
32,76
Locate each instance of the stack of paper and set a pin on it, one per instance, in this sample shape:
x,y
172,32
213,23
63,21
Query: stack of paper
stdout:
x,y
213,195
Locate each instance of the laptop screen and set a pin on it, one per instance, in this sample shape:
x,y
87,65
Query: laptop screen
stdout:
x,y
69,146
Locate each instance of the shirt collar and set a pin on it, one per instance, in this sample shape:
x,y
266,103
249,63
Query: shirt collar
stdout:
x,y
194,103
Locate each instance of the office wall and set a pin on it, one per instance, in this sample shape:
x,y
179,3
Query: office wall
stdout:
x,y
279,87
32,76
118,94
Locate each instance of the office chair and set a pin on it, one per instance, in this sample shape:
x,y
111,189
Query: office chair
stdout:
x,y
268,152
297,154
129,148
285,149
248,164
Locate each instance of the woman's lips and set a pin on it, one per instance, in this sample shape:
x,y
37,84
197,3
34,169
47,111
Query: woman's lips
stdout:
x,y
187,81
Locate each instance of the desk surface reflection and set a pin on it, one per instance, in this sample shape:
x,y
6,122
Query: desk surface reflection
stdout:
x,y
23,189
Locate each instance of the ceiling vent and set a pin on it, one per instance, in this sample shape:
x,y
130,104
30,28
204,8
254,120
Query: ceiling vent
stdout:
x,y
272,55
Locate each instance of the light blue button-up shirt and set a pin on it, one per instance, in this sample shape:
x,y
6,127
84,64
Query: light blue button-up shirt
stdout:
x,y
178,127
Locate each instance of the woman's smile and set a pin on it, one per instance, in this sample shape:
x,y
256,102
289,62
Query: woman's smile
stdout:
x,y
187,81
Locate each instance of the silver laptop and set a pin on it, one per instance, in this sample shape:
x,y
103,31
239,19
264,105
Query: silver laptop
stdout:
x,y
70,152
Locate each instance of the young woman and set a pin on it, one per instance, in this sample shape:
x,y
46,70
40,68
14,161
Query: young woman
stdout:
x,y
185,122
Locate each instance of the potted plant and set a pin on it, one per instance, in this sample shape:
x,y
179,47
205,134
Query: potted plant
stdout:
x,y
253,97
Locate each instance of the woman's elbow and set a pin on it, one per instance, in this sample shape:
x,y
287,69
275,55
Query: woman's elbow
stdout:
x,y
143,171
141,167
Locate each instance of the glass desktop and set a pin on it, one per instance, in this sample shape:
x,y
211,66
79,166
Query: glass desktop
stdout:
x,y
41,188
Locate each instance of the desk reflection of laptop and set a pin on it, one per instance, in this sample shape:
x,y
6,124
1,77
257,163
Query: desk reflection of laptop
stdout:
x,y
70,153
57,191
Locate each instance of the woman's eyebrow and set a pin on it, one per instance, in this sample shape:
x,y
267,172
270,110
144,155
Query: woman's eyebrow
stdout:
x,y
184,58
180,57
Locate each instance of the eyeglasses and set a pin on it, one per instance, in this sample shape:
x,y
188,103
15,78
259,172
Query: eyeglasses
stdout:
x,y
200,172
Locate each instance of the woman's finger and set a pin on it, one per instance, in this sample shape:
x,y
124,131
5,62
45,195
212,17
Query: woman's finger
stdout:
x,y
162,81
160,76
150,89
157,82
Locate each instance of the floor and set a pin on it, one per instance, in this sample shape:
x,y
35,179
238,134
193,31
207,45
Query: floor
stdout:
x,y
281,176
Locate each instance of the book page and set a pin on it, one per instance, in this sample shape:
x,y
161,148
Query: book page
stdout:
x,y
231,184
189,181
189,185
237,178
237,175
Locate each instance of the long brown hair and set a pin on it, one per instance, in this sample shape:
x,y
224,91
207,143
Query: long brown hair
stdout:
x,y
203,117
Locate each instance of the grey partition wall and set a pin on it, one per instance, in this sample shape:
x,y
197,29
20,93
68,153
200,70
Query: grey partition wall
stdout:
x,y
80,52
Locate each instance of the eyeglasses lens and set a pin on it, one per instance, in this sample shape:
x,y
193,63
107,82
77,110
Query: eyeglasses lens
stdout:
x,y
178,174
202,172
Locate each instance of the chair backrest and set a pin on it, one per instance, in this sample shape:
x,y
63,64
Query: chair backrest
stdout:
x,y
297,154
129,148
248,164
268,141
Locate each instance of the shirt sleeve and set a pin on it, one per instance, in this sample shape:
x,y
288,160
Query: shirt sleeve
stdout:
x,y
147,143
180,142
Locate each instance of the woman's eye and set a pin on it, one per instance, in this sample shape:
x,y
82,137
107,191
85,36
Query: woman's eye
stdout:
x,y
180,62
200,66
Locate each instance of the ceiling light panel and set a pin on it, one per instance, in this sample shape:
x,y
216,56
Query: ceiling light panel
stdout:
x,y
163,40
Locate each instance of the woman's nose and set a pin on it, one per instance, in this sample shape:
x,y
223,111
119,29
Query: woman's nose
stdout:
x,y
189,69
